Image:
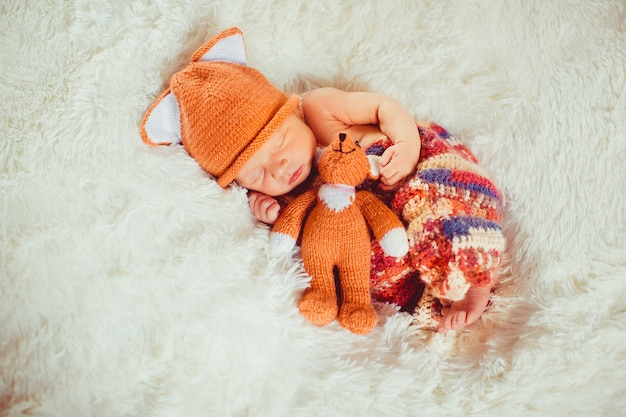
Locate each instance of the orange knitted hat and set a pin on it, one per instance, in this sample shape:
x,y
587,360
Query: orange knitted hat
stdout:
x,y
220,109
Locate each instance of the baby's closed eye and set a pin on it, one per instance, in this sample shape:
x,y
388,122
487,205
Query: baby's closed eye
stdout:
x,y
279,144
257,177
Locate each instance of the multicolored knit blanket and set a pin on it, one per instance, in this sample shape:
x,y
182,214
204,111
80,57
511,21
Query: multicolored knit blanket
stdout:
x,y
453,215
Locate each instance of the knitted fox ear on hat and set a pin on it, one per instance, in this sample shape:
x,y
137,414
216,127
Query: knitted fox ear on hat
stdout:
x,y
161,123
221,110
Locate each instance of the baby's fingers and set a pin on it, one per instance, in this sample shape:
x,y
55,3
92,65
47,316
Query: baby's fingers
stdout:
x,y
390,170
269,211
264,208
388,184
272,213
387,156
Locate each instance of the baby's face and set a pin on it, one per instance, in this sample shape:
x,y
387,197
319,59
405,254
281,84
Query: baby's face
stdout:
x,y
284,162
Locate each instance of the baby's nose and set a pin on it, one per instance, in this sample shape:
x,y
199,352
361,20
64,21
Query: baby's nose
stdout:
x,y
280,168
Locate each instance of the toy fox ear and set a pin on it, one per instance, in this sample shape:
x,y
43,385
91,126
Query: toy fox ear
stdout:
x,y
374,161
319,151
227,46
161,123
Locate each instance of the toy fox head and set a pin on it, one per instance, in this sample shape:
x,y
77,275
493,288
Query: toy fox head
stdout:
x,y
344,162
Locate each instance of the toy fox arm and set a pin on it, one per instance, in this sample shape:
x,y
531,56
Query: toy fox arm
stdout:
x,y
289,224
385,225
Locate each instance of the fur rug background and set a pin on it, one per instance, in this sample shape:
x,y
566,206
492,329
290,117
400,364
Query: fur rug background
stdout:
x,y
132,285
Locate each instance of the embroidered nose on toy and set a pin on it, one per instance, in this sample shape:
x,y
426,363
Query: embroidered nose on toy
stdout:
x,y
346,147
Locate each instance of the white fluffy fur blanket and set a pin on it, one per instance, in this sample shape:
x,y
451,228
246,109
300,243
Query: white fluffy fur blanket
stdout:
x,y
132,285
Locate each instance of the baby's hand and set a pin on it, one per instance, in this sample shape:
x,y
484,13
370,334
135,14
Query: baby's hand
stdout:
x,y
264,207
398,161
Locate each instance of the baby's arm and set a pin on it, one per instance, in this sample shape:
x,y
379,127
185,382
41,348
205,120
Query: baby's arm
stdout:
x,y
329,111
264,207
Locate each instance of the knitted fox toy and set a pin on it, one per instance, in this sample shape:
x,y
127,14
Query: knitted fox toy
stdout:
x,y
335,235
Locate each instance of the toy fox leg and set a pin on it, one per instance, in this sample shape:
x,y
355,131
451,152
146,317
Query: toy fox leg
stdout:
x,y
319,302
356,312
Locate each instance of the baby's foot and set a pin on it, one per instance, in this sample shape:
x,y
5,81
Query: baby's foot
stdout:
x,y
466,311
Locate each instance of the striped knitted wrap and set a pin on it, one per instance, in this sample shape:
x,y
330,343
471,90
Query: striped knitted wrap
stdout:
x,y
453,215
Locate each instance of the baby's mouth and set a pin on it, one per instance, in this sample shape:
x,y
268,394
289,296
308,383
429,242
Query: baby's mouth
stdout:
x,y
294,177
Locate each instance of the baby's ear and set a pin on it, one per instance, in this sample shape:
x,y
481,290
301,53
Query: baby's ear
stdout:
x,y
374,161
227,46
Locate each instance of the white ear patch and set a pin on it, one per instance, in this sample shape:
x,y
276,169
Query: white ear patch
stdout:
x,y
319,151
162,125
374,161
229,49
227,46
